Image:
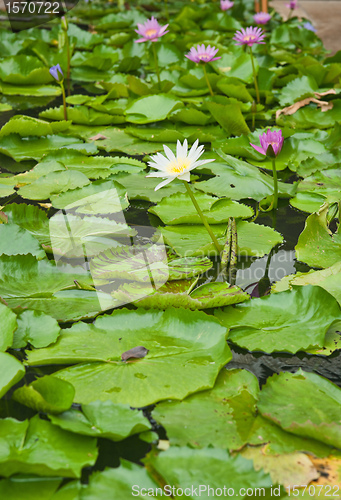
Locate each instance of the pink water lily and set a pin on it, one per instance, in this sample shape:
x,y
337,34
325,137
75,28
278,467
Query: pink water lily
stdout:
x,y
271,143
249,36
150,31
262,17
226,4
202,54
292,4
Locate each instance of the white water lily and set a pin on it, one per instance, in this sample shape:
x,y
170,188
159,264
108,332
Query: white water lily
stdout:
x,y
176,167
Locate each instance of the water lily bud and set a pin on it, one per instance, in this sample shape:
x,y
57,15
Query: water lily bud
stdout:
x,y
64,23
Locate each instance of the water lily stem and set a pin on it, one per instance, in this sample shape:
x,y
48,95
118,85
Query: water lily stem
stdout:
x,y
208,82
203,218
64,100
254,76
156,62
68,62
275,183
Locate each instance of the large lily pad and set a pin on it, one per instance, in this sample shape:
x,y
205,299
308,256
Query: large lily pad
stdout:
x,y
152,108
237,179
311,409
103,419
179,209
41,448
317,246
41,285
178,294
187,468
15,240
221,417
287,321
47,394
18,487
11,372
186,352
253,239
37,328
100,197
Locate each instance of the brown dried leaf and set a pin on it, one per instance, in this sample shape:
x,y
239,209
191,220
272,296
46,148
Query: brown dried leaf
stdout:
x,y
329,470
135,352
3,218
98,137
324,105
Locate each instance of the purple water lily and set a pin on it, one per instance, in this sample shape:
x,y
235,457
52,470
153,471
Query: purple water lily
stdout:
x,y
309,26
273,140
292,4
262,17
226,4
150,31
202,54
57,73
249,36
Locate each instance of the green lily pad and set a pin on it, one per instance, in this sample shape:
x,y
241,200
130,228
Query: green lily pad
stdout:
x,y
140,187
298,89
15,240
177,294
152,108
100,197
24,70
41,448
47,394
53,184
317,246
312,409
36,328
19,149
278,322
237,179
8,323
187,468
11,372
253,239
307,202
103,419
27,487
178,209
173,367
326,183
221,417
136,263
43,286
319,162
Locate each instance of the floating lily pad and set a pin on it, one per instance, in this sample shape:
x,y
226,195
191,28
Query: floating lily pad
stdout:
x,y
177,294
19,487
152,108
179,209
221,417
186,351
43,286
41,448
278,322
313,408
15,240
8,323
53,184
99,197
317,246
103,419
11,372
36,328
188,468
253,239
47,394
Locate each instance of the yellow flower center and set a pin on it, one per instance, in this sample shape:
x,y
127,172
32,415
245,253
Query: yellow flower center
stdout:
x,y
151,32
249,38
203,57
179,166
